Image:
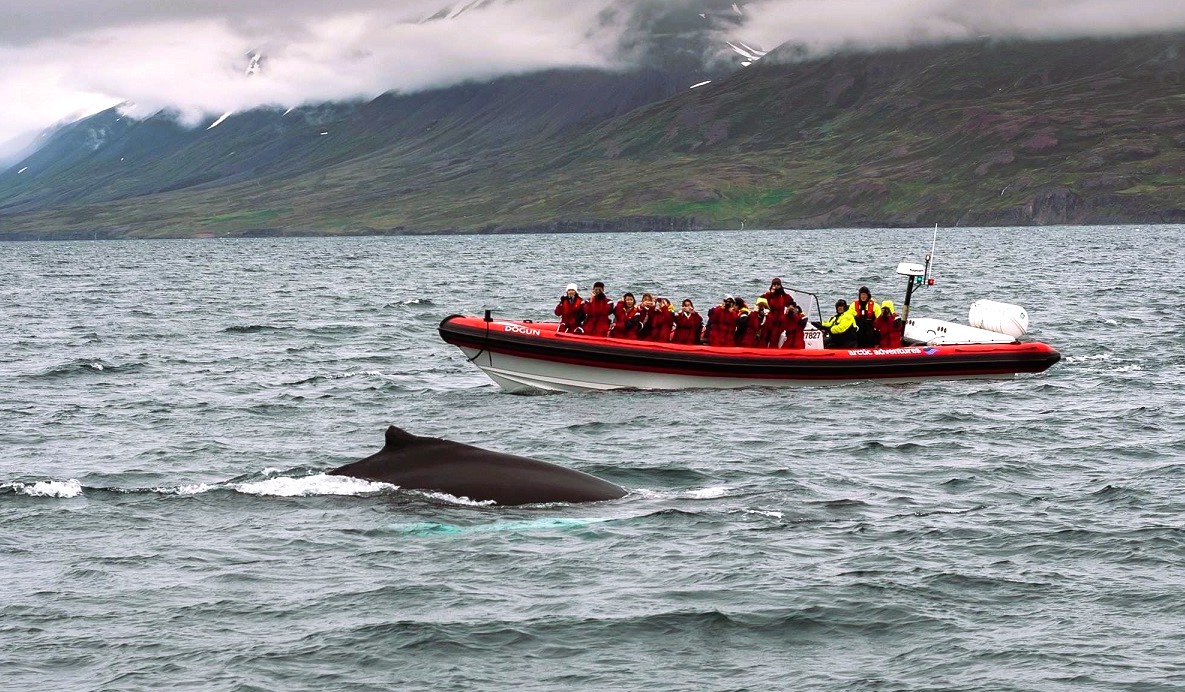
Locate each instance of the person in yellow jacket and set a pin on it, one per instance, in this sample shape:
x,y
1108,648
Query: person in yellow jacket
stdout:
x,y
840,330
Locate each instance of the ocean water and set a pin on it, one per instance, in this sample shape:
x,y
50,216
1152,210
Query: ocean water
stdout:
x,y
169,409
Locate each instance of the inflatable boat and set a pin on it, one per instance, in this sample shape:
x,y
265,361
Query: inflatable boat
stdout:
x,y
523,356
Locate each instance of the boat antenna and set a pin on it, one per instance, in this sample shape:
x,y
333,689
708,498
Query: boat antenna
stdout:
x,y
917,275
930,257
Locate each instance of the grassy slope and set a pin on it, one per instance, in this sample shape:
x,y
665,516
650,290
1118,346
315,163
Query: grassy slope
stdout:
x,y
1068,132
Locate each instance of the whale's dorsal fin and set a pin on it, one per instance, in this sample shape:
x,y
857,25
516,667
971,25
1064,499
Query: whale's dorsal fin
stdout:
x,y
398,437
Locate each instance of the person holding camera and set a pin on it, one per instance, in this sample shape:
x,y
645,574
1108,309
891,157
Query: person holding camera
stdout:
x,y
627,321
570,310
646,311
597,309
662,321
779,303
688,325
794,326
722,323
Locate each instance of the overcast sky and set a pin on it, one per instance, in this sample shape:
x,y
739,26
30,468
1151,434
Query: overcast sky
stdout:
x,y
61,59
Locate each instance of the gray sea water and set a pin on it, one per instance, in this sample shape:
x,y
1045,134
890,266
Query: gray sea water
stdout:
x,y
168,408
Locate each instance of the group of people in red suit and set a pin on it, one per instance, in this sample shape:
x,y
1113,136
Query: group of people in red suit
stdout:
x,y
775,321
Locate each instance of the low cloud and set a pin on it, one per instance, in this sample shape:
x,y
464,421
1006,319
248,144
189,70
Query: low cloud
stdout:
x,y
823,26
196,64
61,59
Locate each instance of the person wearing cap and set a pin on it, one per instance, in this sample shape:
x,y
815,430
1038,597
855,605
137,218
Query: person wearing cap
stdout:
x,y
597,309
840,330
754,331
865,311
888,327
570,310
722,323
779,300
688,324
626,320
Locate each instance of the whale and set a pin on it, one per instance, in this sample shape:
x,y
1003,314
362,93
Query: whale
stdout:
x,y
431,463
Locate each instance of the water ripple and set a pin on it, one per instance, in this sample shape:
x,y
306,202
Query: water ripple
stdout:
x,y
169,521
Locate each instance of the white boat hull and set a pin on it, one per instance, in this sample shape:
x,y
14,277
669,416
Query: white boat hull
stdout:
x,y
519,375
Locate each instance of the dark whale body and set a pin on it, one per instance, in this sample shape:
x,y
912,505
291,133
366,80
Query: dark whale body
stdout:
x,y
430,463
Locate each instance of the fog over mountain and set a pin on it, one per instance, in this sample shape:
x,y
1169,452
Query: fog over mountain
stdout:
x,y
63,59
827,25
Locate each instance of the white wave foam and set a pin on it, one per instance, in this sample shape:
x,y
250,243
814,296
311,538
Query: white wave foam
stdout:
x,y
1083,359
708,493
651,494
453,499
766,513
70,488
320,484
194,489
361,373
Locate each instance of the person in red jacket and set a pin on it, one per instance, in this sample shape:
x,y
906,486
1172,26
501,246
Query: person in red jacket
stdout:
x,y
722,324
626,320
662,321
596,311
794,325
754,332
779,300
688,324
570,310
889,327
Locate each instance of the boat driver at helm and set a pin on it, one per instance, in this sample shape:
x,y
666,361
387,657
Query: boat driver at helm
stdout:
x,y
840,330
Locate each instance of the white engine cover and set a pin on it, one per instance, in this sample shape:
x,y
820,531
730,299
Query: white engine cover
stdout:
x,y
1004,318
939,333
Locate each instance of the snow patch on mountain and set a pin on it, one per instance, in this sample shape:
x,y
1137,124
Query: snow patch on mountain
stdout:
x,y
218,122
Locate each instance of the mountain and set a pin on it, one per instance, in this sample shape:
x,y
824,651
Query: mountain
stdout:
x,y
985,132
113,176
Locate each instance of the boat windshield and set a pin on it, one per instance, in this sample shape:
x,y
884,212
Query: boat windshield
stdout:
x,y
809,302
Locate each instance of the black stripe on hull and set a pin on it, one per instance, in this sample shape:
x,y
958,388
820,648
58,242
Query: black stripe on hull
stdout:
x,y
705,362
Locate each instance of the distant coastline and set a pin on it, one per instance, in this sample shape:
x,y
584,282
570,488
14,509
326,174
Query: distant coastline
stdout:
x,y
588,228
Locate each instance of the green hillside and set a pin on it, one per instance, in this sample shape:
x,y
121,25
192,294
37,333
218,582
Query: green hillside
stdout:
x,y
989,133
